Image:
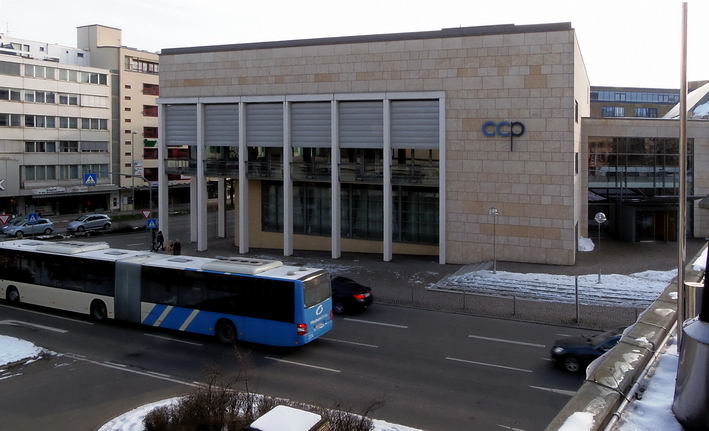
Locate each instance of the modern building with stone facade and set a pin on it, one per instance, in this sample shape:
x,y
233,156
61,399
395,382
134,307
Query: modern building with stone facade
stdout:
x,y
390,143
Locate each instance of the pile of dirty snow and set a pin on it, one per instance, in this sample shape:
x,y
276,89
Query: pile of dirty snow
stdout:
x,y
14,350
585,244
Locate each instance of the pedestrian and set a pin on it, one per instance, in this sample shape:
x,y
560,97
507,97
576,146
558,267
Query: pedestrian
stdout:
x,y
161,242
177,248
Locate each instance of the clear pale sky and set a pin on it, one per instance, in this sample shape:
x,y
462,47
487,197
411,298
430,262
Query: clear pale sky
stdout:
x,y
624,42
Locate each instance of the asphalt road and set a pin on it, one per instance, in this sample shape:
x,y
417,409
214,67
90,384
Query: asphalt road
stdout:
x,y
431,370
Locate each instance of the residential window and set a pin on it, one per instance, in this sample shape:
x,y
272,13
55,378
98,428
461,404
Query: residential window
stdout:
x,y
50,97
151,89
80,54
29,147
29,120
50,73
613,111
29,96
142,66
63,75
73,123
51,145
127,120
73,76
29,173
85,123
51,122
68,147
39,173
10,120
150,132
73,171
127,109
51,172
150,153
103,124
7,68
646,112
63,122
127,86
150,110
94,123
127,98
15,95
94,147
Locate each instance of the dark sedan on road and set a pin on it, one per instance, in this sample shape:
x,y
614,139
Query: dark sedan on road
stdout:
x,y
349,296
575,353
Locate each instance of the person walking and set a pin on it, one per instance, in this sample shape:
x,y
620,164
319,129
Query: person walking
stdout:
x,y
161,242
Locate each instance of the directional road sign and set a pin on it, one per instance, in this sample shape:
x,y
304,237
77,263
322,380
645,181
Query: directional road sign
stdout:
x,y
146,214
90,179
4,218
152,223
32,218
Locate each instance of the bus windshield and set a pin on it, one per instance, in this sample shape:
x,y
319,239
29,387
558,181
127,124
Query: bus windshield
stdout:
x,y
316,289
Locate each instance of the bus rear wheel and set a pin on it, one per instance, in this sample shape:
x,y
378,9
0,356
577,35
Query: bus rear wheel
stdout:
x,y
225,332
12,295
98,310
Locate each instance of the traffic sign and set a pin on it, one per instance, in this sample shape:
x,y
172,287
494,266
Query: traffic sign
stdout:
x,y
146,214
32,218
4,218
90,179
152,223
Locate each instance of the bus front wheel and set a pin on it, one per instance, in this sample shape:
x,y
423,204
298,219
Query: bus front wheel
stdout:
x,y
12,295
225,332
98,310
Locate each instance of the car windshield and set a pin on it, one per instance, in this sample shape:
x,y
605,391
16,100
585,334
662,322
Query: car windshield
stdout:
x,y
17,222
82,218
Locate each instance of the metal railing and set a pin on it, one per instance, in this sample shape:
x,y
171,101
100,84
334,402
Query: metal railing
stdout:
x,y
222,168
310,171
181,167
359,172
414,175
260,169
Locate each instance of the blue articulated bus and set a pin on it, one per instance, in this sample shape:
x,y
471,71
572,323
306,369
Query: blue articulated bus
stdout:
x,y
231,298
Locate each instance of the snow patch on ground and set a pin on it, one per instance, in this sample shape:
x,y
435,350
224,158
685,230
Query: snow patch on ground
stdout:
x,y
585,244
654,410
700,262
133,420
634,290
579,421
14,350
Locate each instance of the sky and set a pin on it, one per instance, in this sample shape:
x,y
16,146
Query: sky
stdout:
x,y
624,42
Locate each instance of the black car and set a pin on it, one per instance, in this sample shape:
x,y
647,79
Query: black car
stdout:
x,y
575,353
349,296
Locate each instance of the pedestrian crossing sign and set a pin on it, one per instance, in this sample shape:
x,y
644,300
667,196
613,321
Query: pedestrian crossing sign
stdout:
x,y
90,179
152,223
32,218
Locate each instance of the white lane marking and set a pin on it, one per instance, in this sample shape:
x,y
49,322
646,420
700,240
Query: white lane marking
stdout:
x,y
155,373
510,428
21,323
116,364
302,364
502,340
173,339
350,342
133,245
77,355
563,335
49,315
371,322
546,359
485,364
556,391
189,320
163,315
129,370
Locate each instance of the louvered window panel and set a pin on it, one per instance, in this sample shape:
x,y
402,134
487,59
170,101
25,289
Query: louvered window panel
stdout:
x,y
181,124
221,125
310,124
361,124
414,124
264,125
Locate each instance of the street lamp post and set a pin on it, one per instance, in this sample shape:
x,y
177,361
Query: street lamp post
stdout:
x,y
600,219
494,213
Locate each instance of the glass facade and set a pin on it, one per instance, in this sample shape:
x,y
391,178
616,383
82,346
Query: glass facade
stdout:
x,y
634,96
646,112
613,111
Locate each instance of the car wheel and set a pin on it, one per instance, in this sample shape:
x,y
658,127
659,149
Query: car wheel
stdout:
x,y
225,332
80,229
98,310
19,234
571,364
47,231
338,307
12,295
107,226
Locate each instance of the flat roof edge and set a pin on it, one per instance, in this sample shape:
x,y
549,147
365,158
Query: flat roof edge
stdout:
x,y
386,37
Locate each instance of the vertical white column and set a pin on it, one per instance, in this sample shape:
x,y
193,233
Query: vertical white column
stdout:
x,y
201,183
163,203
442,180
287,184
387,183
243,184
221,210
335,183
193,208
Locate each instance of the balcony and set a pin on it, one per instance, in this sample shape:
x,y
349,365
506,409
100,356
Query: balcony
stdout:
x,y
310,171
361,173
264,169
420,175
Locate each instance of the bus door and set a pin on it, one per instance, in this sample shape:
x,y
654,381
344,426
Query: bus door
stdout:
x,y
128,288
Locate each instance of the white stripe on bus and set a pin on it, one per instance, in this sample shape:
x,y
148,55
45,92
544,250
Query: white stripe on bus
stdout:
x,y
189,320
163,315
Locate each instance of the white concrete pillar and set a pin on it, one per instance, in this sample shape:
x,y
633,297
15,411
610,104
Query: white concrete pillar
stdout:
x,y
335,234
287,184
163,203
193,209
221,211
387,184
201,183
243,184
442,180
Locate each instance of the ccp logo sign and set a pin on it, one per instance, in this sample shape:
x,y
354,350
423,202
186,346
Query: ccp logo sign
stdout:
x,y
503,128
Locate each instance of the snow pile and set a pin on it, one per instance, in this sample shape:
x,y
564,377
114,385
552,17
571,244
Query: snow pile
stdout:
x,y
579,421
700,263
654,410
636,290
13,350
284,418
585,244
133,420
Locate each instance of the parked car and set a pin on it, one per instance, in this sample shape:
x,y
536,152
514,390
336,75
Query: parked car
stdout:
x,y
19,227
573,354
90,222
349,296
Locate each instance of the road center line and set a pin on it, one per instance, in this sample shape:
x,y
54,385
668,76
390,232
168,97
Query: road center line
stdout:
x,y
21,323
502,340
350,342
173,339
556,391
302,364
371,322
485,364
48,315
